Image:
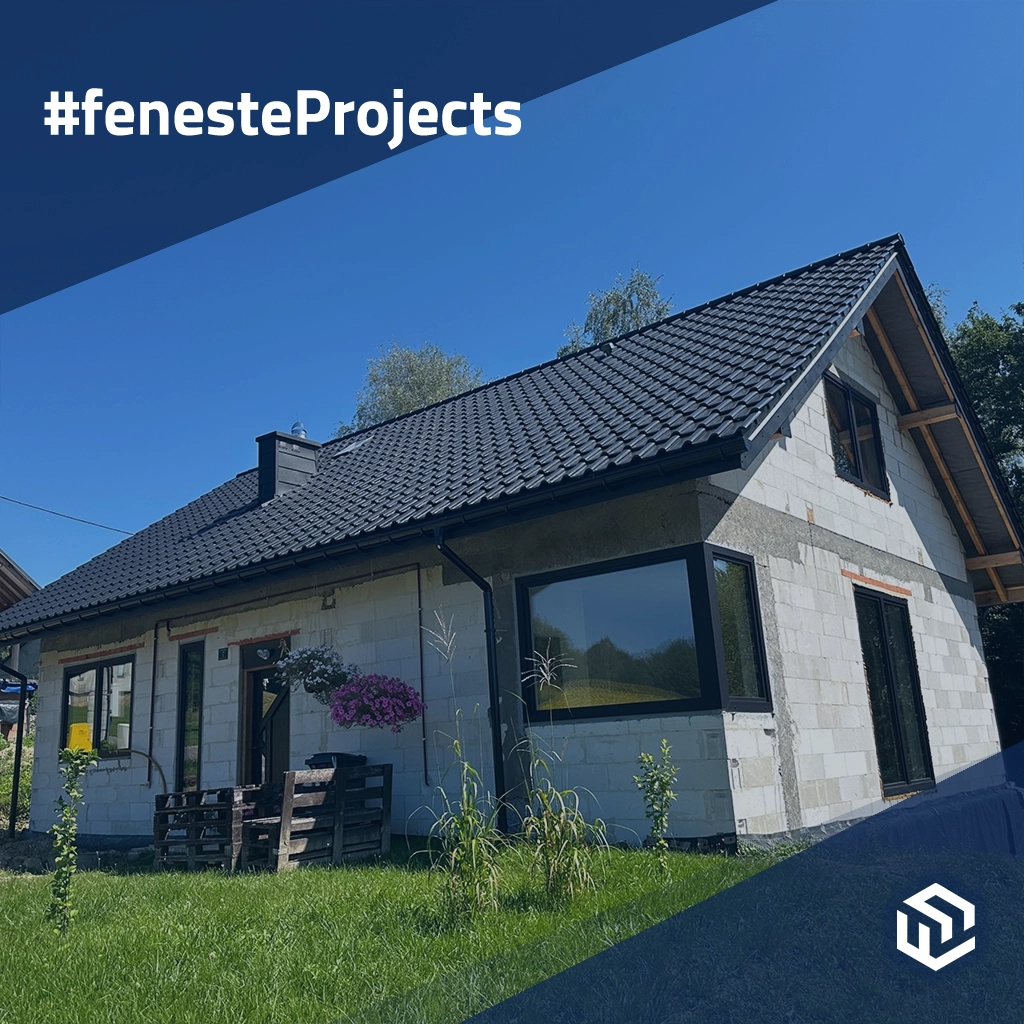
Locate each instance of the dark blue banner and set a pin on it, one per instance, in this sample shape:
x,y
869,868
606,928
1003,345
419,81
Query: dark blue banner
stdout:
x,y
225,131
914,915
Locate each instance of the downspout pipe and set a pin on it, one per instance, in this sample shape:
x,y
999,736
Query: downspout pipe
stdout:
x,y
494,712
152,709
18,746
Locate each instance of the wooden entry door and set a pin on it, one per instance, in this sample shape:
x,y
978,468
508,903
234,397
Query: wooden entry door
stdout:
x,y
266,724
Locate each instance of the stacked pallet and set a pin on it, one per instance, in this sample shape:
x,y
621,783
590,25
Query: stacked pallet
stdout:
x,y
327,816
202,828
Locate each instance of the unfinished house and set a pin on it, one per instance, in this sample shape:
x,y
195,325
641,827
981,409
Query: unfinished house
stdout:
x,y
760,529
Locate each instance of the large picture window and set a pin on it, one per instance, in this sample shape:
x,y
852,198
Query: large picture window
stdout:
x,y
856,441
669,631
98,707
894,691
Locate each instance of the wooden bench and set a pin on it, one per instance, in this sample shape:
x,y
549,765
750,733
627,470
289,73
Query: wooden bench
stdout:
x,y
327,815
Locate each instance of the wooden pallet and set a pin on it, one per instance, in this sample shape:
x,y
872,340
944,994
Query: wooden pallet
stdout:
x,y
203,828
327,816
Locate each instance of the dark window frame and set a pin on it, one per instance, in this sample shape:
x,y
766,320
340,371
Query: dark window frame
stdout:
x,y
77,670
179,741
917,785
729,702
849,391
707,637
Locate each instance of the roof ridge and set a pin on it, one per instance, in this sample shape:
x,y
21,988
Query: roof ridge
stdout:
x,y
807,268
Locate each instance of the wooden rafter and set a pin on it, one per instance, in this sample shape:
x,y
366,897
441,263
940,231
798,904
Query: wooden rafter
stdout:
x,y
986,597
933,448
936,414
991,561
932,354
948,387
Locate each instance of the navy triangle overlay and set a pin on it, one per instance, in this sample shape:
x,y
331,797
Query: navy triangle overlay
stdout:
x,y
75,206
814,938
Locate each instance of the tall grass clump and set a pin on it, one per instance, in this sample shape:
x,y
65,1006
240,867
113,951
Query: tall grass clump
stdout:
x,y
563,840
467,826
470,841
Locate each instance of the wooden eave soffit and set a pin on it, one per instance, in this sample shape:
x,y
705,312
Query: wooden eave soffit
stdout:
x,y
921,419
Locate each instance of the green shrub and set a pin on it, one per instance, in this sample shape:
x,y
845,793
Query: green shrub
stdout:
x,y
655,781
73,765
7,782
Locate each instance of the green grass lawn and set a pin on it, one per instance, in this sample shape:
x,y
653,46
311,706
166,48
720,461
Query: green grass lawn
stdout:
x,y
360,943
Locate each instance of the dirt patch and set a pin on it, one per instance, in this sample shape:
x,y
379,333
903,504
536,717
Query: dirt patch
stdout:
x,y
33,855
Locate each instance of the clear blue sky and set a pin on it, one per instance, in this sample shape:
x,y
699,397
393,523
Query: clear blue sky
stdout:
x,y
782,137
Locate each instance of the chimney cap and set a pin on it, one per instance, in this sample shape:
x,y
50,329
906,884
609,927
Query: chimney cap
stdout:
x,y
298,429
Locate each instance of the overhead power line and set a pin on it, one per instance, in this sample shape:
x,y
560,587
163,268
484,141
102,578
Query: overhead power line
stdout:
x,y
64,515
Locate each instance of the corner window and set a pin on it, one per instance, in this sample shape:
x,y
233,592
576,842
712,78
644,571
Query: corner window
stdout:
x,y
856,440
894,692
739,625
98,707
642,636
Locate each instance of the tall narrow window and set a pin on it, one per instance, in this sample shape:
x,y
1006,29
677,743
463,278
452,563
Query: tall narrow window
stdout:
x,y
738,620
856,441
894,691
191,663
98,707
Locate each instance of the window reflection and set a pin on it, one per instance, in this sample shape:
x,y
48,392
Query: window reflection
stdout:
x,y
616,638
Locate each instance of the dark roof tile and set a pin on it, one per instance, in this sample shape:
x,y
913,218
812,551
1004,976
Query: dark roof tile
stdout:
x,y
709,372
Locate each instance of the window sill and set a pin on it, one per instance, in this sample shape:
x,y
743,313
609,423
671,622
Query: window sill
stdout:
x,y
903,790
756,707
624,713
871,492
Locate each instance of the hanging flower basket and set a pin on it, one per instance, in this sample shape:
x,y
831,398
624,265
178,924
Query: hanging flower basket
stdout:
x,y
318,670
375,701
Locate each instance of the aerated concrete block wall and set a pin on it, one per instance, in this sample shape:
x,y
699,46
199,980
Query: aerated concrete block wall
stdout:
x,y
814,537
375,623
599,758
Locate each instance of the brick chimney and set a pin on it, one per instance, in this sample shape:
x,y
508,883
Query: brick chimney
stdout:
x,y
285,461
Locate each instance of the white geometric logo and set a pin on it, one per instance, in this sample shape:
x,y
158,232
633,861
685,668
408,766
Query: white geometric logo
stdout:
x,y
922,951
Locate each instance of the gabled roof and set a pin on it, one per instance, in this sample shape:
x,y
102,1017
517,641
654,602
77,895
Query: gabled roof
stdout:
x,y
696,393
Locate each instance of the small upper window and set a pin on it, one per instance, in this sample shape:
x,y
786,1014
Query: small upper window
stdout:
x,y
856,441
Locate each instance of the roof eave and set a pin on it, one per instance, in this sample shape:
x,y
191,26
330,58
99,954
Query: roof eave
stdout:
x,y
713,456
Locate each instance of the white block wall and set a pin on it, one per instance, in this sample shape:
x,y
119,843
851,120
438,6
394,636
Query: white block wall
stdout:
x,y
375,624
822,682
601,756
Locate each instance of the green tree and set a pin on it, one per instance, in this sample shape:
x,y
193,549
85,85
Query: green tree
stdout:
x,y
630,303
401,379
989,355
